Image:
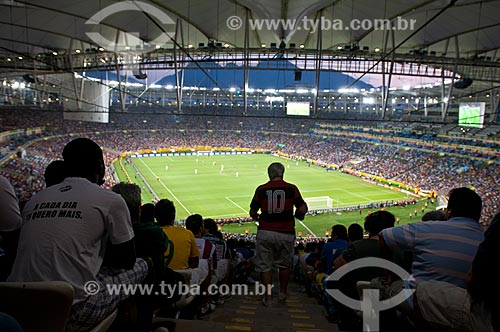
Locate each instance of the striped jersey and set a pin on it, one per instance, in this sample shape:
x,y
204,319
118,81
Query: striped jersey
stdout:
x,y
442,250
276,200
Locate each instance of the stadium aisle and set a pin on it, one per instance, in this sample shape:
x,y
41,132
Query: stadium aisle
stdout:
x,y
245,313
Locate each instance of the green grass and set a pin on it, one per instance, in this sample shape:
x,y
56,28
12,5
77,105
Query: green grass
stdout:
x,y
322,222
217,194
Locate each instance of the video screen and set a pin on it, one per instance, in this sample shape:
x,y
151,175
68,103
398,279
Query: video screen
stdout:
x,y
297,108
471,114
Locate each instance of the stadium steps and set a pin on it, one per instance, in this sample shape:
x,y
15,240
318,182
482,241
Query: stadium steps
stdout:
x,y
246,314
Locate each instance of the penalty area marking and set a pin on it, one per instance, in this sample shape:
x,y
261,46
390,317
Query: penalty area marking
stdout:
x,y
164,186
236,204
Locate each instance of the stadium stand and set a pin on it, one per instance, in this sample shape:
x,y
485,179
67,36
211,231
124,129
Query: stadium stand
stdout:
x,y
417,161
385,118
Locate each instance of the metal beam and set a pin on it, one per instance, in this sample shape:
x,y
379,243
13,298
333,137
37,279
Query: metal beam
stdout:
x,y
319,47
446,102
495,111
246,43
389,79
178,87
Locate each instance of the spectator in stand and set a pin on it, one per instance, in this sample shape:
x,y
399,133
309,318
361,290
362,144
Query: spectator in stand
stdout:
x,y
151,242
10,226
442,250
334,247
55,173
442,306
214,236
207,250
65,233
354,232
185,255
148,213
331,251
375,222
436,215
276,232
207,262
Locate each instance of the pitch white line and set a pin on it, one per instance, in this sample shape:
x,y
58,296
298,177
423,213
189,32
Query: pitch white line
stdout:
x,y
351,193
236,204
303,225
164,186
228,215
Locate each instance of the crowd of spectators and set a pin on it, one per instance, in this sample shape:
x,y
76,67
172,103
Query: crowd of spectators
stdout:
x,y
374,152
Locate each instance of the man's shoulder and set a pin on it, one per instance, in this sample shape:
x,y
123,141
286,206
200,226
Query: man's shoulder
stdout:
x,y
277,184
147,227
339,244
180,231
83,188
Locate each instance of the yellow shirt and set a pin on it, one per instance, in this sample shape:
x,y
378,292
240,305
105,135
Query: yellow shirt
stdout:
x,y
184,246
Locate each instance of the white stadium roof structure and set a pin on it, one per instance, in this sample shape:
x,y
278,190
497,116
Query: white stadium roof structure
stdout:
x,y
452,41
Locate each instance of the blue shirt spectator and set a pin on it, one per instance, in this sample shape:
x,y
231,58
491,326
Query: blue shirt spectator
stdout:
x,y
443,250
334,248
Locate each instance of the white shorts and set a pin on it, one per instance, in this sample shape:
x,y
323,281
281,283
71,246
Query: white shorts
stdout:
x,y
448,308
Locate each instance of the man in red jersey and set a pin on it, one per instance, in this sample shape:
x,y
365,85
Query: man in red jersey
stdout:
x,y
276,234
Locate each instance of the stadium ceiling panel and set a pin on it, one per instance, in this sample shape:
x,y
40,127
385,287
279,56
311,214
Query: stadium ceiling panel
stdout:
x,y
30,26
30,29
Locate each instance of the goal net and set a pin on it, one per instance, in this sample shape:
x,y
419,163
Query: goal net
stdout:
x,y
319,203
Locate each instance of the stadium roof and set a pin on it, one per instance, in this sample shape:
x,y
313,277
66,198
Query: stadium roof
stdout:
x,y
450,39
33,27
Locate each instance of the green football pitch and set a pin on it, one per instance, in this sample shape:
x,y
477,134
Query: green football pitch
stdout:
x,y
223,186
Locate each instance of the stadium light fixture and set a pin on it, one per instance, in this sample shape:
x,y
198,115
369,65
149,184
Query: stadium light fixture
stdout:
x,y
262,45
377,49
350,90
77,51
369,100
302,46
445,99
339,47
272,99
301,91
